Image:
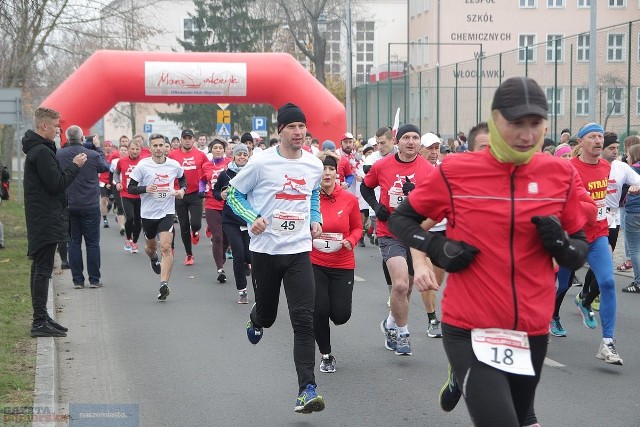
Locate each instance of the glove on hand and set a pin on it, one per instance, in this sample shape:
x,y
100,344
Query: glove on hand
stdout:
x,y
202,194
382,213
408,186
553,236
450,255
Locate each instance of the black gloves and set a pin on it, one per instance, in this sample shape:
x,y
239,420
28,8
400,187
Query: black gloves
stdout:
x,y
382,213
554,238
408,186
450,255
202,194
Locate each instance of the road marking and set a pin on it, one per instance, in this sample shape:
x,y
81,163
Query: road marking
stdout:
x,y
358,279
552,363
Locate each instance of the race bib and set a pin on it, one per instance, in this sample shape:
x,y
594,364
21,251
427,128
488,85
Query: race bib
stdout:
x,y
160,195
602,210
503,349
328,242
396,196
284,222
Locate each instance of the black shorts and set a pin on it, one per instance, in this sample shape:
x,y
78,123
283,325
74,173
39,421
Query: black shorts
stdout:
x,y
152,227
105,192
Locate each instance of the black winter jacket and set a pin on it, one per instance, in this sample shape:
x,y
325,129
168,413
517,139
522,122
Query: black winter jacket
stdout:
x,y
45,201
228,216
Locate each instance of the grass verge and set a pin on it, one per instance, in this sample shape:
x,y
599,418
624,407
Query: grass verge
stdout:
x,y
17,348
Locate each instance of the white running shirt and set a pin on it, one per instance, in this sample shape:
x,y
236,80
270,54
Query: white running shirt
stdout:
x,y
160,203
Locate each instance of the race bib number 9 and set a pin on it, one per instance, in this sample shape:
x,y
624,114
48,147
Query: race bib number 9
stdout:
x,y
396,196
284,222
503,349
602,210
328,242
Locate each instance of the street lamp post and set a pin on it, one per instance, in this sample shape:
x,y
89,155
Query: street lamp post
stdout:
x,y
479,71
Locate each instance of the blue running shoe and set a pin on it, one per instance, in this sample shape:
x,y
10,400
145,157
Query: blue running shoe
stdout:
x,y
254,334
390,334
450,393
308,401
556,328
588,317
403,345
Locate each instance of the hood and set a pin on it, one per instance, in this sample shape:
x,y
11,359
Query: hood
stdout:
x,y
32,139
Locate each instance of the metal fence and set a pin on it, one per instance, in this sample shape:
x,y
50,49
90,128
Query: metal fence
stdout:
x,y
454,98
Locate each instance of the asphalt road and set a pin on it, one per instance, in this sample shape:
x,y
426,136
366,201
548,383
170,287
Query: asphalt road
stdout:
x,y
187,362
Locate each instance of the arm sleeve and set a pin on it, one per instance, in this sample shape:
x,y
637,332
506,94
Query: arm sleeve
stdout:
x,y
182,182
103,165
219,186
349,179
240,205
316,216
116,176
369,195
134,188
405,222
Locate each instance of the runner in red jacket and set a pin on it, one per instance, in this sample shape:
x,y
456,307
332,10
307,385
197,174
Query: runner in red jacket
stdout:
x,y
507,215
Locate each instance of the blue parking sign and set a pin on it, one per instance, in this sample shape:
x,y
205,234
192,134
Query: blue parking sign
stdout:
x,y
148,128
259,123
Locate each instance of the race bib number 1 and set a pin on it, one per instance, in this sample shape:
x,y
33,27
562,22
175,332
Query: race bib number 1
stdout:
x,y
328,242
503,349
284,222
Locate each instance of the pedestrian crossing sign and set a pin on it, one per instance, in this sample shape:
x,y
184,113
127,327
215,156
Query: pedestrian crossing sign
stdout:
x,y
223,129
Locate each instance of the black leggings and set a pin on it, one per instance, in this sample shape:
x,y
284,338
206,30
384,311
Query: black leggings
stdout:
x,y
591,289
189,206
295,274
334,291
117,201
133,223
493,397
239,241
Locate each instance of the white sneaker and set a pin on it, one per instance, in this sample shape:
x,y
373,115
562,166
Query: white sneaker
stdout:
x,y
608,353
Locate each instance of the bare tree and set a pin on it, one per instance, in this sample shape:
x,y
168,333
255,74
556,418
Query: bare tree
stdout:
x,y
605,82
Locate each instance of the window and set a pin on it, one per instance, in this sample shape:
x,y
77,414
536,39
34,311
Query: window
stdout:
x,y
527,4
555,104
555,4
617,3
615,47
615,101
187,30
584,3
555,48
638,101
526,55
583,48
332,50
582,101
365,34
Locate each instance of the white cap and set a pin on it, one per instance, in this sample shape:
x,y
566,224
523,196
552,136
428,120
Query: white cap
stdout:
x,y
372,141
428,139
255,135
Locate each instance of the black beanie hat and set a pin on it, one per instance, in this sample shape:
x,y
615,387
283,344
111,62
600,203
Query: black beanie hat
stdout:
x,y
289,113
246,137
610,138
406,128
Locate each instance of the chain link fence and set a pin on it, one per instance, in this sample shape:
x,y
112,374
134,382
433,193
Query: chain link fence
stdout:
x,y
456,97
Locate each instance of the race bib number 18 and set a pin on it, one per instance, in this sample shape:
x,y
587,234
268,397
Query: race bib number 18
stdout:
x,y
503,349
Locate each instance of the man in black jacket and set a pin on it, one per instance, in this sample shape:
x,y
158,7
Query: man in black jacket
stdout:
x,y
45,211
83,197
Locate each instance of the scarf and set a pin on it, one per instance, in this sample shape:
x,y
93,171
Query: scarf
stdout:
x,y
503,152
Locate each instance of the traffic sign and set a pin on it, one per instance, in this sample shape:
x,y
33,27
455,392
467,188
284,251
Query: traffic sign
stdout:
x,y
148,128
223,129
259,123
223,106
223,116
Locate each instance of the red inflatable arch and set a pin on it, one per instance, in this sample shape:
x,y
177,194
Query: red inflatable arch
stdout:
x,y
109,77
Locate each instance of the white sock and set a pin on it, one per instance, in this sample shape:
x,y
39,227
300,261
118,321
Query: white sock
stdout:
x,y
403,330
607,340
391,322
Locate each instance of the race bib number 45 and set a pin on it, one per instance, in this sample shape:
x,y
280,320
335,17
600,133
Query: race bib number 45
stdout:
x,y
503,349
284,222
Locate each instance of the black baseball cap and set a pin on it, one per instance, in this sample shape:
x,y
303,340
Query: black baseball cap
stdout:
x,y
518,97
187,132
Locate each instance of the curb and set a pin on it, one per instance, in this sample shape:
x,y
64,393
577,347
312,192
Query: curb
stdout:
x,y
45,409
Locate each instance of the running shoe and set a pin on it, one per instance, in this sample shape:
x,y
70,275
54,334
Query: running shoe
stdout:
x,y
207,232
242,297
127,245
595,305
56,325
95,285
64,265
222,277
556,329
450,393
633,288
195,237
228,254
327,363
254,334
122,231
134,248
309,401
609,354
576,281
78,285
390,342
588,317
155,265
434,330
361,242
403,346
105,223
164,292
188,260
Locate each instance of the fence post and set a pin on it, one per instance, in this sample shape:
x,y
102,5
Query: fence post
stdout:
x,y
629,80
571,87
455,101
